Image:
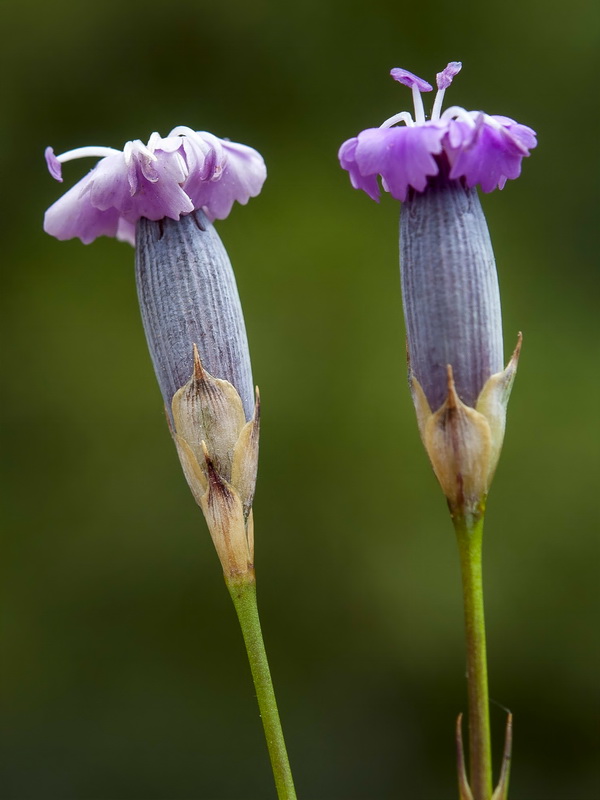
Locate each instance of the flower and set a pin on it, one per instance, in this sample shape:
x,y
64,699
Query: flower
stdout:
x,y
167,178
482,149
163,197
450,292
451,300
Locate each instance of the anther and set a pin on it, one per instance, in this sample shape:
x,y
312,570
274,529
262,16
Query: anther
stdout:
x,y
443,80
417,85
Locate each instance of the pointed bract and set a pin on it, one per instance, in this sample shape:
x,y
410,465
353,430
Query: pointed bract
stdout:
x,y
493,404
209,410
218,451
464,443
501,791
224,515
458,442
195,476
464,790
245,459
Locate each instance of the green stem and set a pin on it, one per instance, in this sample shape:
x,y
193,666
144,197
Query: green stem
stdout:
x,y
469,532
243,594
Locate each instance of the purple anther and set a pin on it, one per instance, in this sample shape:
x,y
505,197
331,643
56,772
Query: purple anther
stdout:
x,y
410,80
54,165
445,77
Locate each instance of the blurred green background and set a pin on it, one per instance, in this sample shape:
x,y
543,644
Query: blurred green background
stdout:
x,y
124,675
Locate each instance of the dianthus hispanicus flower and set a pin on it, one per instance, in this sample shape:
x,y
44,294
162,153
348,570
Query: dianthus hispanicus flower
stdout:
x,y
162,197
449,282
166,178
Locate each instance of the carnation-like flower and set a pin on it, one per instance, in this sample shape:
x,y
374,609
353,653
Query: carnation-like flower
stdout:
x,y
482,149
167,178
460,387
450,287
163,197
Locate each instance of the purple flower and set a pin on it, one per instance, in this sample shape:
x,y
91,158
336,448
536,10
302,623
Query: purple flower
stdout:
x,y
163,197
167,178
479,148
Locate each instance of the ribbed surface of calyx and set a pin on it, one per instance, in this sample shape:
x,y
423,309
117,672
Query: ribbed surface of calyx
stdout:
x,y
188,296
450,291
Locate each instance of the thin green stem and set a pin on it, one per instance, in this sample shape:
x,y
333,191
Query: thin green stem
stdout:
x,y
243,594
469,532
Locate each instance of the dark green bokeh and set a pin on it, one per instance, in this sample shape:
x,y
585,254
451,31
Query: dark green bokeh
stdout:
x,y
124,672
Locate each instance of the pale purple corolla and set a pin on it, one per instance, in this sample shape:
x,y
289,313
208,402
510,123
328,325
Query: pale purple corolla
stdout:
x,y
167,178
482,149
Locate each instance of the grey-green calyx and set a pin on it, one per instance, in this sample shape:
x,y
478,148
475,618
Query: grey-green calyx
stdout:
x,y
188,296
450,291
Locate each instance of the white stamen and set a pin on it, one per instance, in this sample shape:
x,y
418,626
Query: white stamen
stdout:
x,y
457,112
403,116
182,130
86,152
437,104
153,141
418,103
490,121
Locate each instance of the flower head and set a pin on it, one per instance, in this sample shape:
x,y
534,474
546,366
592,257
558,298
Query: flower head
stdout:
x,y
482,149
167,178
